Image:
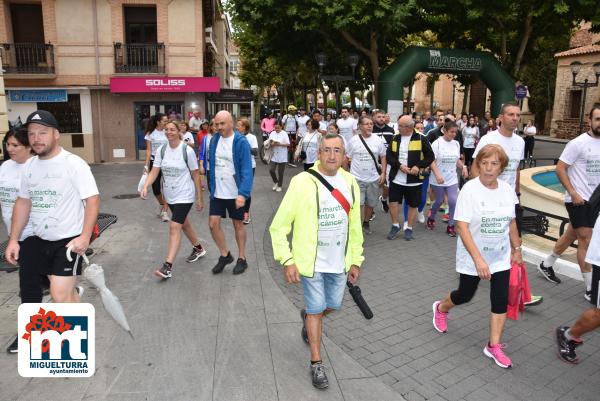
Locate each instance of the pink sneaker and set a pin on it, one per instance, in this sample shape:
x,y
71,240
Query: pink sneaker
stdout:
x,y
439,318
495,352
430,224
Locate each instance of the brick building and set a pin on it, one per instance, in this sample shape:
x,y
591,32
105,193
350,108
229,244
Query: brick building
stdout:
x,y
104,66
584,48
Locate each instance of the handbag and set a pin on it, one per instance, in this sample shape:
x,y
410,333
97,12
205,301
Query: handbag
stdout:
x,y
299,154
377,166
142,182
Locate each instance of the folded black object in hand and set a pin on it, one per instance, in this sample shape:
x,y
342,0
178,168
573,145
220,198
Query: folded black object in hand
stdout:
x,y
360,301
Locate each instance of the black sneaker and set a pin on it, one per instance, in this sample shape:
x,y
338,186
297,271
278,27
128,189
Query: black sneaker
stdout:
x,y
319,378
223,261
548,273
14,347
304,333
366,227
196,254
384,205
164,271
588,296
566,348
240,266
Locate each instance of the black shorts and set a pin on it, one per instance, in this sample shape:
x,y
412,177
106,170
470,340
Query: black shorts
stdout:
x,y
580,216
224,207
156,185
412,194
48,257
179,211
595,284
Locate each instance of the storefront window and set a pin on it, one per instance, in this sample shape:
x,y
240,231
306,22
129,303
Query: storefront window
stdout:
x,y
68,114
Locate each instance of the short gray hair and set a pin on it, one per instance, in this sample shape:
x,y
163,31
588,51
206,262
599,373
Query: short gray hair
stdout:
x,y
331,135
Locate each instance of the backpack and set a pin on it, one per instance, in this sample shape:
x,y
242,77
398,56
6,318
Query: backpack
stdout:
x,y
284,121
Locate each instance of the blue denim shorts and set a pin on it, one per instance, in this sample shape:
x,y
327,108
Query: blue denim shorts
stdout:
x,y
323,291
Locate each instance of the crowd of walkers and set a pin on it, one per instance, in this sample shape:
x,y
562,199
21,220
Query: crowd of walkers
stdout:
x,y
465,167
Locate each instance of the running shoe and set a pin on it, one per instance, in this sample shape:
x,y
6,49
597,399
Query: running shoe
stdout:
x,y
247,218
548,273
275,187
384,205
164,216
372,217
366,228
278,189
223,261
13,348
319,378
451,231
430,224
292,165
445,217
164,271
79,290
588,296
303,332
440,319
405,225
421,217
393,233
408,234
566,347
197,253
240,266
535,300
495,352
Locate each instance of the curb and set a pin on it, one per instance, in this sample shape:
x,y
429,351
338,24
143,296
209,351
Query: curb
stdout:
x,y
561,266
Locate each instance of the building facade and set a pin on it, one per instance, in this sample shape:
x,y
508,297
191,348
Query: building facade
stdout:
x,y
103,67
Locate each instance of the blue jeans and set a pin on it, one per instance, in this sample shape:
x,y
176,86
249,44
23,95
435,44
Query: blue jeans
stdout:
x,y
323,291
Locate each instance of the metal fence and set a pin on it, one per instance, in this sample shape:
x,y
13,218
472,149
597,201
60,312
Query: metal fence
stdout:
x,y
27,58
139,58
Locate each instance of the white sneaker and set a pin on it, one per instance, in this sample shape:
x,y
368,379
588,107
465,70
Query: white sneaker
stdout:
x,y
275,187
278,189
405,226
421,217
79,290
164,216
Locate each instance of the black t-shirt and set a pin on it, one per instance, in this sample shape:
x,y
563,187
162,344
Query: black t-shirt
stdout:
x,y
386,132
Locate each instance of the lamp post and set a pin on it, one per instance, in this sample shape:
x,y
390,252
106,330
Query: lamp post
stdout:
x,y
322,61
575,69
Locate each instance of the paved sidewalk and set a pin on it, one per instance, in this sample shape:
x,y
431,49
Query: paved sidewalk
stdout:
x,y
197,336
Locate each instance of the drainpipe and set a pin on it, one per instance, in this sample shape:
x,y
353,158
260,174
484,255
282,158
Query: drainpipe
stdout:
x,y
98,97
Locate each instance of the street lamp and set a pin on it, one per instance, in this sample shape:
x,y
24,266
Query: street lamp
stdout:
x,y
575,69
322,61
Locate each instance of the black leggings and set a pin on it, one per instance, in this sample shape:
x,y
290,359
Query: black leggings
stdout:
x,y
156,186
469,156
529,145
280,168
467,286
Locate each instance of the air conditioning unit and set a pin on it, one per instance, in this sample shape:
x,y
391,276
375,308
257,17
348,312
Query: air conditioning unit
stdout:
x,y
209,38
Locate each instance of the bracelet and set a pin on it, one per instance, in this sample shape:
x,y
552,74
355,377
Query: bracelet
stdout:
x,y
518,248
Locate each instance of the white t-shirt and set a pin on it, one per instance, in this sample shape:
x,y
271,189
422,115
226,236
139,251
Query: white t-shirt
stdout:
x,y
514,146
289,123
178,185
10,184
188,138
225,186
362,166
57,188
401,178
251,138
488,213
530,131
311,146
333,227
461,124
323,126
593,253
447,154
470,134
582,154
302,128
280,153
195,123
347,127
158,139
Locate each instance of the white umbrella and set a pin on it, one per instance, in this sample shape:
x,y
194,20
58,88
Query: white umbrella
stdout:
x,y
95,274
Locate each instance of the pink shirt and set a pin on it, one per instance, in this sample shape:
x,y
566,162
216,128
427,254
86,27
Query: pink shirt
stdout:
x,y
267,124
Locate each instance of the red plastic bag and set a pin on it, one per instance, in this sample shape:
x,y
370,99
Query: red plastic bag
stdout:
x,y
518,291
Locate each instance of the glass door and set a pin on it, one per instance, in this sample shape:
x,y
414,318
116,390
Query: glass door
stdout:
x,y
143,112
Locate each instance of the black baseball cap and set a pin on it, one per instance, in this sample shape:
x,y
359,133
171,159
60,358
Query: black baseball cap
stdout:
x,y
42,117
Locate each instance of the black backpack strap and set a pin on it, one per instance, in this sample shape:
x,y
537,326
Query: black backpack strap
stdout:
x,y
371,153
319,177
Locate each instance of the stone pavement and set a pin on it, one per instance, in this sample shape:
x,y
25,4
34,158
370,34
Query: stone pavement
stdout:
x,y
197,336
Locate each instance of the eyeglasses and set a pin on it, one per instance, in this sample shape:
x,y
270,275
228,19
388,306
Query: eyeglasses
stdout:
x,y
335,151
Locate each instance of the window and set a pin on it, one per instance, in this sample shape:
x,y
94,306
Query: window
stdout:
x,y
234,66
68,114
575,103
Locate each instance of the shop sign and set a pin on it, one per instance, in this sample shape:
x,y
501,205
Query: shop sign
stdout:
x,y
37,95
164,84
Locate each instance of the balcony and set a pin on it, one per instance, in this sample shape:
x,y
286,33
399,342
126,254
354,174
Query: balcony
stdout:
x,y
27,60
210,38
139,58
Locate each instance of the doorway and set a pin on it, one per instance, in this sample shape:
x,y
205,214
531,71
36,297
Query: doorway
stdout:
x,y
142,114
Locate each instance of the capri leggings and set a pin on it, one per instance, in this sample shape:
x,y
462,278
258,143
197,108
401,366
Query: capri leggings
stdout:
x,y
438,192
156,185
467,286
424,189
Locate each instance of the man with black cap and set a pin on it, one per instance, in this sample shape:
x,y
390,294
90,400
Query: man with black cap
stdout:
x,y
59,195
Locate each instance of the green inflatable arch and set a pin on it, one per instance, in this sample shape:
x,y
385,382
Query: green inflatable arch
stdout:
x,y
427,59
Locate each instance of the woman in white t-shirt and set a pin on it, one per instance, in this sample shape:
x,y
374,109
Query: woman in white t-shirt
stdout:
x,y
155,138
186,135
181,185
243,126
310,144
470,134
279,143
529,132
488,243
445,181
